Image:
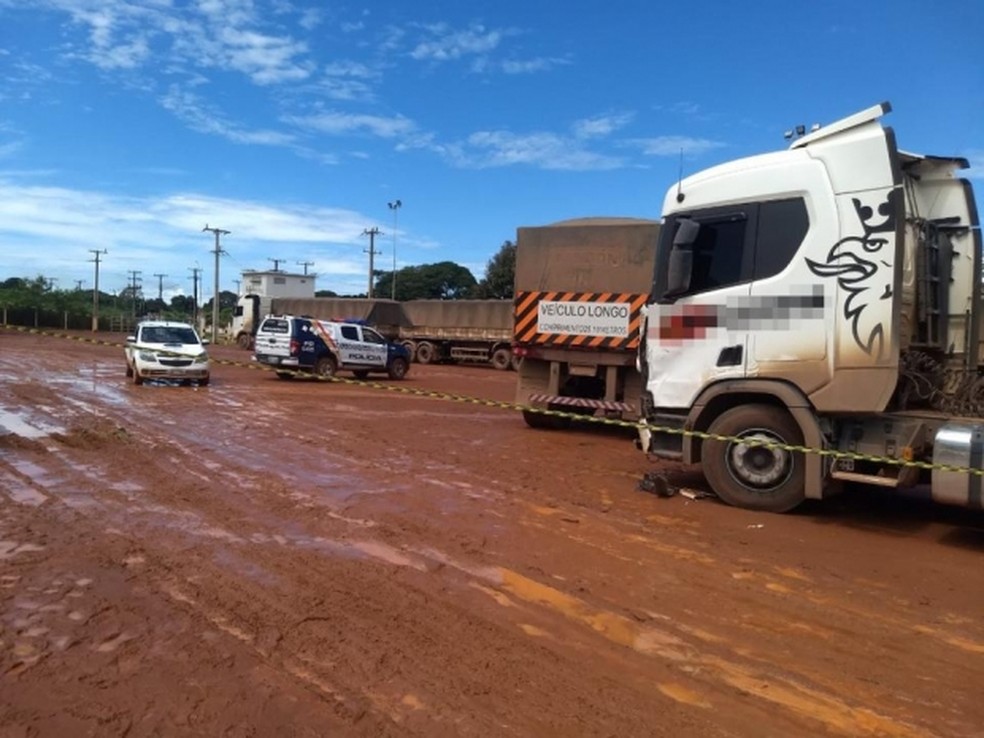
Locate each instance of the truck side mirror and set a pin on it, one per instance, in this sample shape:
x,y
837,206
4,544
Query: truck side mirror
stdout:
x,y
681,261
678,271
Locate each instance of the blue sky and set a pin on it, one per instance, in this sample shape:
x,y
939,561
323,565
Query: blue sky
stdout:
x,y
129,125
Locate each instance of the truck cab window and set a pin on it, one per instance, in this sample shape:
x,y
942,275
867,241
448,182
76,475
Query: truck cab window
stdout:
x,y
350,333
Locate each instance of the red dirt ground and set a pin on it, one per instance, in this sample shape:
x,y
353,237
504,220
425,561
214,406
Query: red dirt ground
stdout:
x,y
262,557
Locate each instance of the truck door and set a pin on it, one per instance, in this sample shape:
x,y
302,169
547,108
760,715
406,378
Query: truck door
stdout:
x,y
705,266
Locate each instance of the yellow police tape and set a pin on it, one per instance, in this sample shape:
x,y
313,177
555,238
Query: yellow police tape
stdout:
x,y
499,404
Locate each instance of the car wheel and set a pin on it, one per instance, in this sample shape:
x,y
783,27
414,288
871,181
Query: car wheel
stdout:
x,y
755,476
203,382
501,358
129,371
425,352
397,368
137,379
325,367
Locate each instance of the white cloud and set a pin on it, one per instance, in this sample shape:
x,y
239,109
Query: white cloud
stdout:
x,y
164,234
673,145
531,66
448,44
600,125
486,149
266,59
195,112
334,123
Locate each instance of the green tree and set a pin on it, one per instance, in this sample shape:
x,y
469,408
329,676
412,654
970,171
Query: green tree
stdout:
x,y
444,280
500,275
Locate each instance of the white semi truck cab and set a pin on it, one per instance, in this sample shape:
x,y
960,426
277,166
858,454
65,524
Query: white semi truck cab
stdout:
x,y
825,296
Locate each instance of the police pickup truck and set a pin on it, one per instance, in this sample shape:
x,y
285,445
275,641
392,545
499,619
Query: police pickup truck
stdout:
x,y
293,344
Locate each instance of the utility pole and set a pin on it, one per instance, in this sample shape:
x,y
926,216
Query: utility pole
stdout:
x,y
215,300
276,264
95,290
160,286
394,206
372,233
78,284
238,283
134,278
305,264
195,271
51,282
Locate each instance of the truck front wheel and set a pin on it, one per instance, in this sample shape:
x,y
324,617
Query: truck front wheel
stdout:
x,y
746,474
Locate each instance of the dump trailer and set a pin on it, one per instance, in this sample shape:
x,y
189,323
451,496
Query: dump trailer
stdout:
x,y
579,291
460,330
825,296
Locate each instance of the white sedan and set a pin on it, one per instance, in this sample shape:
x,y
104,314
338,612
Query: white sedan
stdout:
x,y
164,349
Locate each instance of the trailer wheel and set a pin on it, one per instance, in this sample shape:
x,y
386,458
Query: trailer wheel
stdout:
x,y
325,367
515,361
501,358
397,368
425,352
411,347
244,340
754,476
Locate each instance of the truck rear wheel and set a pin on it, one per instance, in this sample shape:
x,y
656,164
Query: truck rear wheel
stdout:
x,y
325,367
501,358
425,352
755,476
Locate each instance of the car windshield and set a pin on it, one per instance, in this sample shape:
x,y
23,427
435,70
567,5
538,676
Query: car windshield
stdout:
x,y
168,334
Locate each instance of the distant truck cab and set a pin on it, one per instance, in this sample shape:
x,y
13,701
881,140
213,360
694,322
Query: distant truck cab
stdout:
x,y
293,344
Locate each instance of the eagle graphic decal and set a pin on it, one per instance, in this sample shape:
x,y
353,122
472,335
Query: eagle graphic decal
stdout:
x,y
863,269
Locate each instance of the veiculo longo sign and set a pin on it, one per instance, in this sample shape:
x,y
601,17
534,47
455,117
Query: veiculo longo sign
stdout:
x,y
609,319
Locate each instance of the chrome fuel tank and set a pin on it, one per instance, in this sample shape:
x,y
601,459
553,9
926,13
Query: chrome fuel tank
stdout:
x,y
959,443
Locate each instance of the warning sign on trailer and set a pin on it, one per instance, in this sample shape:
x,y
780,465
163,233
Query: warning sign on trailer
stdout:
x,y
609,319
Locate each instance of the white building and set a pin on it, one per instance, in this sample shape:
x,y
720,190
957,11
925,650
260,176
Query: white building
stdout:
x,y
276,283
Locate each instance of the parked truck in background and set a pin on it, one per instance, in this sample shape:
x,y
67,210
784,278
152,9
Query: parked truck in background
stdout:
x,y
432,330
459,330
579,291
825,296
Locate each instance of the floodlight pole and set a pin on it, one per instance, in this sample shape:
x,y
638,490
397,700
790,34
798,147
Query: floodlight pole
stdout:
x,y
215,300
394,206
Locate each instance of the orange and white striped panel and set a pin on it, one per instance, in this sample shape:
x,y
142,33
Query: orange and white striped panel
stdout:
x,y
588,320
